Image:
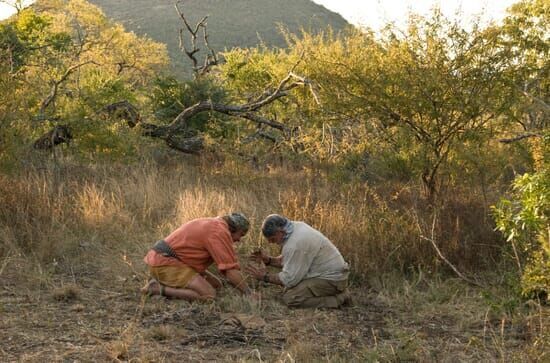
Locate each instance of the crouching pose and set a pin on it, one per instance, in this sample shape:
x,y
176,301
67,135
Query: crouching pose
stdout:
x,y
314,272
178,264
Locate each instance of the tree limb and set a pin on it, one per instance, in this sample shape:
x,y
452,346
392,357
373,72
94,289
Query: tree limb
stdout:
x,y
519,137
211,58
434,244
55,86
245,110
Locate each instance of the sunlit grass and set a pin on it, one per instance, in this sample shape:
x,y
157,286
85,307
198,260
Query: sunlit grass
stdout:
x,y
58,209
59,224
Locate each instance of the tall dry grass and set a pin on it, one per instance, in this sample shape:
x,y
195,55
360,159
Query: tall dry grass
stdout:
x,y
61,221
89,216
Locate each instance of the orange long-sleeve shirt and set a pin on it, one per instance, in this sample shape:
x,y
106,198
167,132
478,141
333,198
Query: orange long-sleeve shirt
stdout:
x,y
198,244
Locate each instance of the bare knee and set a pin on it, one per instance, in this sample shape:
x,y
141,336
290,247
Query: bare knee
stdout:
x,y
202,288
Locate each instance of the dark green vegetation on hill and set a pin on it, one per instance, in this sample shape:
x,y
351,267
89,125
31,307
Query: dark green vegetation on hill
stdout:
x,y
231,23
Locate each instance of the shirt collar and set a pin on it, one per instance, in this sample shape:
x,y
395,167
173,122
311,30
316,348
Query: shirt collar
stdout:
x,y
289,228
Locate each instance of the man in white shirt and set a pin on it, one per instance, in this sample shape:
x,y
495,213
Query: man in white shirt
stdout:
x,y
314,272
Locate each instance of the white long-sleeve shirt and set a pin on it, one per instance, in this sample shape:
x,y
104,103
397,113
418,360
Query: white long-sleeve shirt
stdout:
x,y
307,253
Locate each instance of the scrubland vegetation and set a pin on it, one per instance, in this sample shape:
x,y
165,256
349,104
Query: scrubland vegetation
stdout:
x,y
423,155
73,238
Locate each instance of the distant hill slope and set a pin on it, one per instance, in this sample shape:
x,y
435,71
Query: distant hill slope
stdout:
x,y
231,23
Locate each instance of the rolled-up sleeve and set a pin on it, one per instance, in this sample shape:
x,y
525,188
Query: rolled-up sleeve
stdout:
x,y
220,247
296,263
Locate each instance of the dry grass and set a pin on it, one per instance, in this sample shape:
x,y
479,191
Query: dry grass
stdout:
x,y
78,234
66,293
57,213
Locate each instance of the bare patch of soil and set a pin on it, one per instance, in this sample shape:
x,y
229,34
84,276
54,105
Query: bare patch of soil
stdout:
x,y
90,319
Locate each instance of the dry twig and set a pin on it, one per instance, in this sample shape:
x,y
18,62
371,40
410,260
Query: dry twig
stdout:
x,y
434,244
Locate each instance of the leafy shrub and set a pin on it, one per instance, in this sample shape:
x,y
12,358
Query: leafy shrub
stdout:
x,y
523,219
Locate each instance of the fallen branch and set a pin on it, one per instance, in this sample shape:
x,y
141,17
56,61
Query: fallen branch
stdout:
x,y
245,110
434,244
122,110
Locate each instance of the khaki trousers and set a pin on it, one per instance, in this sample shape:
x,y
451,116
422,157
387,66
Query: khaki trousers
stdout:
x,y
317,293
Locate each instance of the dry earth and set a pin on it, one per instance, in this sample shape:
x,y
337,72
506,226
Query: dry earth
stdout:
x,y
85,318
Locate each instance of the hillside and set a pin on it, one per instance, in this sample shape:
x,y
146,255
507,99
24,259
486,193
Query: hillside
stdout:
x,y
231,23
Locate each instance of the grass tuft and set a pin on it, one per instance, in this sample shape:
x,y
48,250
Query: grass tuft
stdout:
x,y
67,293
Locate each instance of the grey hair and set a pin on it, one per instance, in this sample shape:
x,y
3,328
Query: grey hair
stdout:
x,y
273,223
237,222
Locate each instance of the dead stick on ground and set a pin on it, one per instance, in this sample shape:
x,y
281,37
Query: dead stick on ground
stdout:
x,y
432,240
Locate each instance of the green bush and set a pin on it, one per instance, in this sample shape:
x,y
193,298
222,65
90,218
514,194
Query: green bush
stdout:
x,y
523,219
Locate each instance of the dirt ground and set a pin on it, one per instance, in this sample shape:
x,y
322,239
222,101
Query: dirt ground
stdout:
x,y
87,319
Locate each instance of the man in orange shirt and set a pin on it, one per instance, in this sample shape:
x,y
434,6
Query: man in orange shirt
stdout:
x,y
178,264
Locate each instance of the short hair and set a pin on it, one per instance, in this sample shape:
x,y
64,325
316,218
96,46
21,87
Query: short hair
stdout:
x,y
237,222
272,224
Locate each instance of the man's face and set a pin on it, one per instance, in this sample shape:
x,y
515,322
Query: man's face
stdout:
x,y
236,236
277,238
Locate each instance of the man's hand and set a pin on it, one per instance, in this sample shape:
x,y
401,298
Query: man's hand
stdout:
x,y
236,279
260,256
257,272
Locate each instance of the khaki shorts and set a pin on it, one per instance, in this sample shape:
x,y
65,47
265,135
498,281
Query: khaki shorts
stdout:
x,y
173,276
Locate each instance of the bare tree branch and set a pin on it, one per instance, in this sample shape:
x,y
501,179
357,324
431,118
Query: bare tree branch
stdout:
x,y
519,137
438,251
177,133
18,5
55,86
245,110
211,58
260,120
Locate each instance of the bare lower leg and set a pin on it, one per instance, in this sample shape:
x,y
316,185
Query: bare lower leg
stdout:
x,y
153,288
184,294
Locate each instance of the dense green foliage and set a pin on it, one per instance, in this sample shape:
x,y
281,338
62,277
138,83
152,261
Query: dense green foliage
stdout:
x,y
526,43
524,220
425,99
62,63
171,96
